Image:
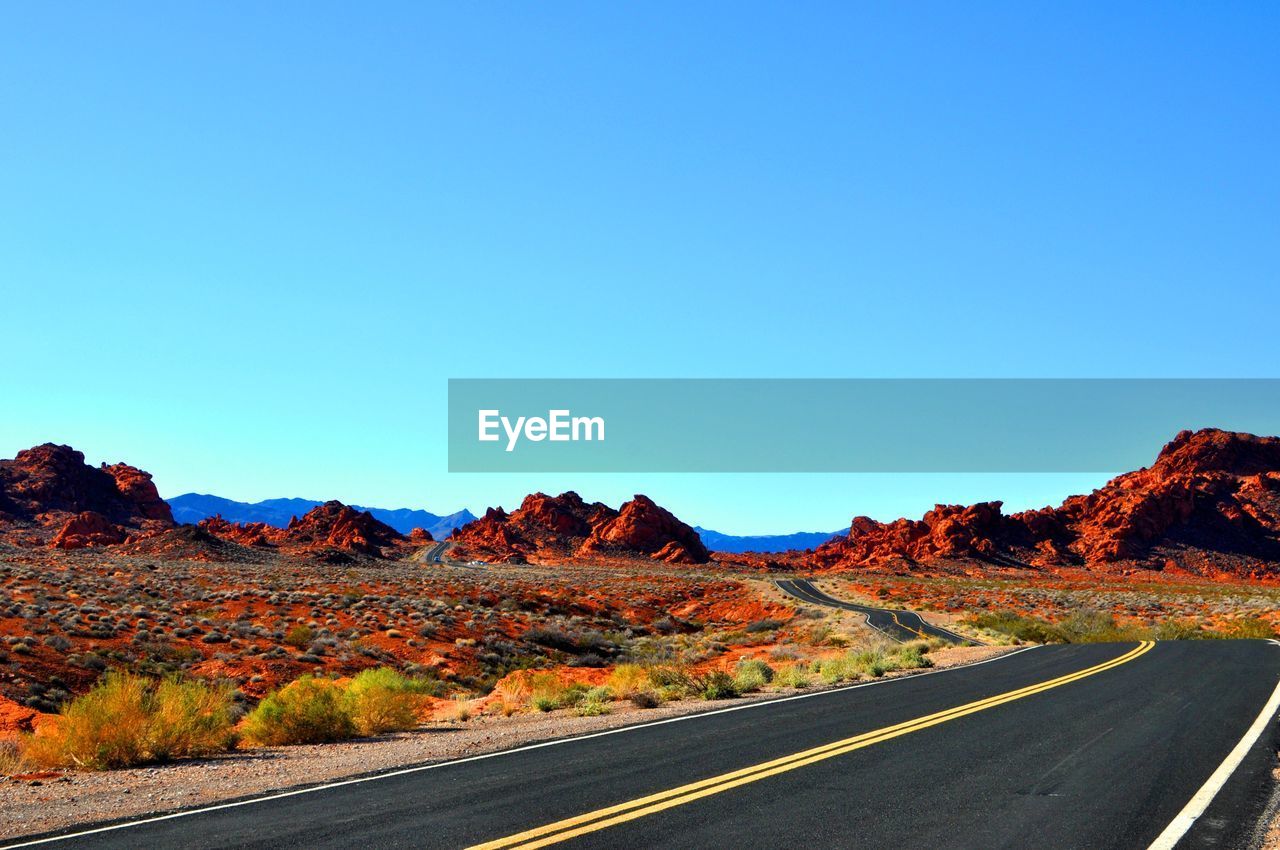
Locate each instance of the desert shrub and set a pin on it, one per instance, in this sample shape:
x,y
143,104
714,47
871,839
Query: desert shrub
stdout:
x,y
548,692
1180,630
461,709
306,711
717,685
382,700
791,676
12,761
834,670
672,678
627,679
763,626
911,656
1089,626
1250,628
751,675
594,702
784,653
871,662
129,720
1019,627
644,699
300,636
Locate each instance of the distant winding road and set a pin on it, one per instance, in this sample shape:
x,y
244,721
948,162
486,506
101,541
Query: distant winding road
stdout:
x,y
897,625
1101,746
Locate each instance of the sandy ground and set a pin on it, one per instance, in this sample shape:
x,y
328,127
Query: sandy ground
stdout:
x,y
53,801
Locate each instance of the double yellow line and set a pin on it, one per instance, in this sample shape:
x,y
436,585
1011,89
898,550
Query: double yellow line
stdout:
x,y
563,830
908,628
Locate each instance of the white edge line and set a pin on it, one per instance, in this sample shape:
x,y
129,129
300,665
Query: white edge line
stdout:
x,y
526,748
1197,805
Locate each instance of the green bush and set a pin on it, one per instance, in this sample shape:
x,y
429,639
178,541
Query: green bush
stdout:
x,y
716,685
594,702
751,675
791,676
306,711
299,636
910,657
383,700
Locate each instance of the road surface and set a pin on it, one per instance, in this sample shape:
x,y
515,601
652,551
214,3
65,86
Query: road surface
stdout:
x,y
897,625
1085,746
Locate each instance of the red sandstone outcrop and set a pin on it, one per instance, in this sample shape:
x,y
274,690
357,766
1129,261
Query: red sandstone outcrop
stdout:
x,y
643,526
331,526
88,529
49,494
1208,491
555,529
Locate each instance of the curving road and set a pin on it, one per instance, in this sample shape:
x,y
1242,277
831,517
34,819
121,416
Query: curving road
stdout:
x,y
896,625
1103,746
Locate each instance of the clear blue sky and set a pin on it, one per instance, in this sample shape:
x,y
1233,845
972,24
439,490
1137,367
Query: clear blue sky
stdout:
x,y
243,246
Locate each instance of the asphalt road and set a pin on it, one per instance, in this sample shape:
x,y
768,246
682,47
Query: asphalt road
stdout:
x,y
1086,746
898,625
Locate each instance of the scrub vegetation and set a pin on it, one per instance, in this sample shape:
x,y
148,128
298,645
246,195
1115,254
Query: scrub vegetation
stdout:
x,y
1089,626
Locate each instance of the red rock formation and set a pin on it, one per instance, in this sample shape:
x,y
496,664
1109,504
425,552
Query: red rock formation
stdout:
x,y
643,526
420,536
136,486
50,487
555,529
87,529
341,527
332,525
1209,491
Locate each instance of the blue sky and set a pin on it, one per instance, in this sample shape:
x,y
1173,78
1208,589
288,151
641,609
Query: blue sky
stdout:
x,y
244,245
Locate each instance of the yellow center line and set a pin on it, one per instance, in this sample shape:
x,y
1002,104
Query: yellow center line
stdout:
x,y
908,628
563,830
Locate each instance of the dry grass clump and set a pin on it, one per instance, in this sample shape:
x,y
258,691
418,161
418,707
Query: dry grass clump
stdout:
x,y
628,679
129,720
12,762
549,692
460,710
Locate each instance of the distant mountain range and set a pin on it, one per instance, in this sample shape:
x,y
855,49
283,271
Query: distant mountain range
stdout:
x,y
193,507
717,542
